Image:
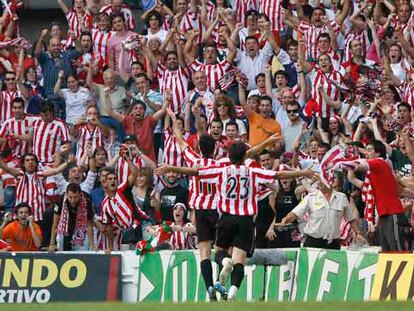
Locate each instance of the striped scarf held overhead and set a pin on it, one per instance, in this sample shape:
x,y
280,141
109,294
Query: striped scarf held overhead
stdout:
x,y
230,77
80,222
336,160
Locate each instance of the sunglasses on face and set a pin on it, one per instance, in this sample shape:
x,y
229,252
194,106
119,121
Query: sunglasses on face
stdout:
x,y
292,111
10,79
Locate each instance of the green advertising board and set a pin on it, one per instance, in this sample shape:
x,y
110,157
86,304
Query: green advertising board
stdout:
x,y
324,275
176,276
308,275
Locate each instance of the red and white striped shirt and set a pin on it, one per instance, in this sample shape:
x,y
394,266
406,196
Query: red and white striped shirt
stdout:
x,y
100,43
123,168
86,134
183,240
30,189
238,186
48,137
202,196
351,36
6,104
242,6
121,209
193,21
311,34
407,93
130,23
85,60
273,9
18,127
172,151
75,24
176,81
318,77
213,72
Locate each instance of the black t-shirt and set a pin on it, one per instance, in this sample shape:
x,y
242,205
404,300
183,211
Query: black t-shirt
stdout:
x,y
169,197
285,203
265,214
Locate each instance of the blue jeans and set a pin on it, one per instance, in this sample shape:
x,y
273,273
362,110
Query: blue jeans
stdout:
x,y
110,122
9,198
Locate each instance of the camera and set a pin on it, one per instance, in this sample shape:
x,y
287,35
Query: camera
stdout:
x,y
88,119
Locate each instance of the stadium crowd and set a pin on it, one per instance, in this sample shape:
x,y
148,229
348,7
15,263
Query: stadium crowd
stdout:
x,y
101,126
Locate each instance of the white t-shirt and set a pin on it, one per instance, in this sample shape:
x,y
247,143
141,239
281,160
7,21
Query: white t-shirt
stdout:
x,y
76,103
161,34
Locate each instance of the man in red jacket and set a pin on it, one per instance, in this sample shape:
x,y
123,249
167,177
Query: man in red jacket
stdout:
x,y
392,219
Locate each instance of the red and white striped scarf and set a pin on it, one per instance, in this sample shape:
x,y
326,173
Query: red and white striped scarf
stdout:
x,y
80,223
335,160
230,76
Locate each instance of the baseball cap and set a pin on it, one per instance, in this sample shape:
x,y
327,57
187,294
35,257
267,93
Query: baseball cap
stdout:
x,y
130,137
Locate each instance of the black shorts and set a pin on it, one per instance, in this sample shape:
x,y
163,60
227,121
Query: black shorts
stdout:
x,y
206,221
237,231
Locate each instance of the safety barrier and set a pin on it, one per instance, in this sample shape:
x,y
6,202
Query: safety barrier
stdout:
x,y
308,275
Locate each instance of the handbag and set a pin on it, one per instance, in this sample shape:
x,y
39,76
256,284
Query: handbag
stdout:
x,y
132,235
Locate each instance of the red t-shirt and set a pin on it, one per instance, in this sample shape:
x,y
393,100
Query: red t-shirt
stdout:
x,y
143,131
384,187
354,71
275,33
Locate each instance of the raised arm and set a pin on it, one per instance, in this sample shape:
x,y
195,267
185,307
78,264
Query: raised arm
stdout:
x,y
295,174
122,72
188,47
133,171
62,5
405,133
177,169
20,76
231,46
336,104
108,108
344,118
58,84
235,34
268,80
207,35
89,81
271,140
38,47
344,12
11,170
301,57
291,19
242,98
60,168
303,85
177,133
271,38
148,53
167,100
405,45
37,240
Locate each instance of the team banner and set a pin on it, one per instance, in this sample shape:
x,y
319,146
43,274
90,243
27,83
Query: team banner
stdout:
x,y
41,278
333,275
394,279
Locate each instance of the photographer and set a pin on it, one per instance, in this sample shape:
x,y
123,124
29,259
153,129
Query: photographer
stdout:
x,y
23,234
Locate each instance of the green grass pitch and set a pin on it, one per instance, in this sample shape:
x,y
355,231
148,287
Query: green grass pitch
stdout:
x,y
227,306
